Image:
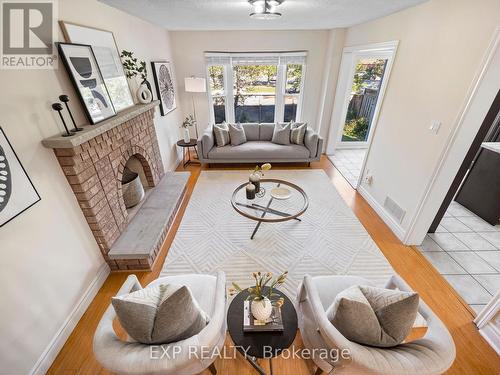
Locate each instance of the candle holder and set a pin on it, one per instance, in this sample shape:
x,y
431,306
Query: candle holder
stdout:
x,y
250,191
65,100
58,107
255,180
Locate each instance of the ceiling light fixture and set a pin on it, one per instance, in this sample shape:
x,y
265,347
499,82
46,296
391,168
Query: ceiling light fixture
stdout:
x,y
265,9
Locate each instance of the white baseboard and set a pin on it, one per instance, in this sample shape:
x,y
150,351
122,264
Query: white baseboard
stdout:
x,y
491,335
396,228
50,353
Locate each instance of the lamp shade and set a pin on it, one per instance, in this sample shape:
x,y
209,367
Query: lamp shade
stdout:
x,y
193,84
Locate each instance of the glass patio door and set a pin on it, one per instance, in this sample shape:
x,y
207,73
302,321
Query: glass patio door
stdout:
x,y
363,97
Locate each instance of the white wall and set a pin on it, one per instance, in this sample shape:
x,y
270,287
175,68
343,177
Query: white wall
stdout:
x,y
442,43
48,254
189,48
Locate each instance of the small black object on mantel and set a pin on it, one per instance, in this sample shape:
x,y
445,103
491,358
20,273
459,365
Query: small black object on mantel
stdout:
x,y
65,100
58,107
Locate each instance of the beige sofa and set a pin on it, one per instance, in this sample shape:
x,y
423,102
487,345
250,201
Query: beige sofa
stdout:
x,y
259,148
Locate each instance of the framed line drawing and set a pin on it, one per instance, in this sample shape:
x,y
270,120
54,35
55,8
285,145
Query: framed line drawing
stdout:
x,y
17,192
165,89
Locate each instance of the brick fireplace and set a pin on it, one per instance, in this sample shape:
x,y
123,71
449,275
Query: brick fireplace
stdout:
x,y
93,162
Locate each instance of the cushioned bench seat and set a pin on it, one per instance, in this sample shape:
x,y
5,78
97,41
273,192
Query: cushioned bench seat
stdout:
x,y
262,150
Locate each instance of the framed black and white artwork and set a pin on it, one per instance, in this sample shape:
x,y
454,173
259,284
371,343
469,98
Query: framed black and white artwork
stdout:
x,y
164,82
82,68
17,192
106,53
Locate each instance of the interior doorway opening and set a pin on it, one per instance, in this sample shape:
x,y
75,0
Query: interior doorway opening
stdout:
x,y
463,242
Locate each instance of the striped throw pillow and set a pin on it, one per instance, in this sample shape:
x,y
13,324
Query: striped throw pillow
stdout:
x,y
221,132
297,133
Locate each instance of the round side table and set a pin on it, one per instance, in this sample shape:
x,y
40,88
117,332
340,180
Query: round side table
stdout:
x,y
255,343
185,150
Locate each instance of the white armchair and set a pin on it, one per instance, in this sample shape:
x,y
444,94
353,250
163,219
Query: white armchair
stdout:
x,y
133,358
432,354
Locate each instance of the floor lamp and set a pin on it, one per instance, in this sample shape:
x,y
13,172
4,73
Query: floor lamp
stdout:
x,y
192,85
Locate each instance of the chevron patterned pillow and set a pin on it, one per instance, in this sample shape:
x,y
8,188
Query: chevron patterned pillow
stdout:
x,y
221,132
297,133
160,314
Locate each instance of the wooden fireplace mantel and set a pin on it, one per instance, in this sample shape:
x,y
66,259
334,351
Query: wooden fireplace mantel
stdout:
x,y
91,131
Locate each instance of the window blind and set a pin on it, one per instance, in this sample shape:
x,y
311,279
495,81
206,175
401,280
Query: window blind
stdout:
x,y
281,58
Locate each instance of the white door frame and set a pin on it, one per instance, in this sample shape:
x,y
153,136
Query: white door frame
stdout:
x,y
343,93
344,84
478,101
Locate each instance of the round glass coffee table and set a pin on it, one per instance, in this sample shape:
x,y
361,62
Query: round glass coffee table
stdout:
x,y
267,209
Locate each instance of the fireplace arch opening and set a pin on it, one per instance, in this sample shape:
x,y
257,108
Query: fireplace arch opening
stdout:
x,y
135,181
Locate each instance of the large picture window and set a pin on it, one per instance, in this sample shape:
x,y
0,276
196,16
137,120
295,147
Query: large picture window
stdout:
x,y
255,87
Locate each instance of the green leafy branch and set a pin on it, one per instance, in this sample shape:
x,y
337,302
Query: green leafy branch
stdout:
x,y
133,67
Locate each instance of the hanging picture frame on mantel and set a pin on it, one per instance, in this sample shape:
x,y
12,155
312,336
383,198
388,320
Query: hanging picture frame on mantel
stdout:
x,y
108,58
165,88
17,192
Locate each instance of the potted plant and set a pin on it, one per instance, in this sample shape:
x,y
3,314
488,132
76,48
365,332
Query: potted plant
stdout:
x,y
133,68
263,296
188,122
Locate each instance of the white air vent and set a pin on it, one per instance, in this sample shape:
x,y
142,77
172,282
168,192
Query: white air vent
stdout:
x,y
394,209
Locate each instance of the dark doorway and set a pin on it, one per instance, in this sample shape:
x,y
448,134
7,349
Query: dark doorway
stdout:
x,y
476,174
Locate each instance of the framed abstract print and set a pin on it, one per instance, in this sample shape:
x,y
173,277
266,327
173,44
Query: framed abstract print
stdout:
x,y
106,53
82,68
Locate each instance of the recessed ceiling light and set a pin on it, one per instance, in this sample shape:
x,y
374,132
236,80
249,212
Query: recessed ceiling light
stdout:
x,y
265,9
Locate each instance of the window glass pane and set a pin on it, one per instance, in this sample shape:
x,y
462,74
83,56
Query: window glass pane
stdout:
x,y
254,92
293,78
367,80
255,108
216,80
291,102
219,103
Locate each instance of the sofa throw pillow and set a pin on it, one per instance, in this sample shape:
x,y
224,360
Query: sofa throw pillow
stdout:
x,y
160,314
281,134
297,132
221,132
374,316
237,134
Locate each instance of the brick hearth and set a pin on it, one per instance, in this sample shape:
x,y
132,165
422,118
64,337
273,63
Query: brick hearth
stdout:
x,y
93,163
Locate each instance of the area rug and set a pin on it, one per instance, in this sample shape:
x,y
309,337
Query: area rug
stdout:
x,y
329,240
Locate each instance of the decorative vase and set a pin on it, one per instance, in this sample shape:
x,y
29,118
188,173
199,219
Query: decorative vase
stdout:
x,y
261,310
187,136
255,179
148,85
144,95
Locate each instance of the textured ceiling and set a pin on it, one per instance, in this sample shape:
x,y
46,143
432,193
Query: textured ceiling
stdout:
x,y
233,14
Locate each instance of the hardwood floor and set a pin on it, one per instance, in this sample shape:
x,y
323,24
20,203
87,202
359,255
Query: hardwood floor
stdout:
x,y
474,355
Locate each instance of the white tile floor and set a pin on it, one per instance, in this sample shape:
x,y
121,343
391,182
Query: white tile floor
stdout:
x,y
349,163
466,251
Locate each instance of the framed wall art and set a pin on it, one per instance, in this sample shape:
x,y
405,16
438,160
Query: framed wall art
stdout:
x,y
162,74
17,192
82,67
106,53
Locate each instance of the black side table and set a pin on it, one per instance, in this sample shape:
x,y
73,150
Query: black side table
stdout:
x,y
185,150
255,342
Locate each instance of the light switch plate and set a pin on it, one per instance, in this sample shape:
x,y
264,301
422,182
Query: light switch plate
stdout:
x,y
435,126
